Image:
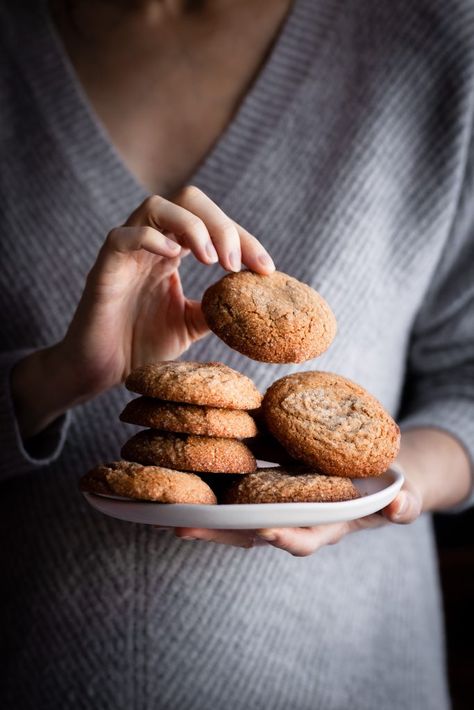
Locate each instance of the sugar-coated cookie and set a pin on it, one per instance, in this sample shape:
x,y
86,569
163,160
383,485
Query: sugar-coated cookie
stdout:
x,y
187,452
189,418
328,421
289,485
155,483
273,318
210,384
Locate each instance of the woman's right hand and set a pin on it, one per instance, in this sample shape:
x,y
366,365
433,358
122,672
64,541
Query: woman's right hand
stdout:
x,y
133,309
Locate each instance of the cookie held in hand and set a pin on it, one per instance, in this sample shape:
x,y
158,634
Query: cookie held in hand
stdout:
x,y
289,485
132,480
330,422
273,318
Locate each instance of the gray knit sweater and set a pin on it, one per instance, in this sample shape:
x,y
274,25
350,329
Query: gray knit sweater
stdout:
x,y
350,158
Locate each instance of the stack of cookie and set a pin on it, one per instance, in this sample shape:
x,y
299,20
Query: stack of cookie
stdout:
x,y
196,415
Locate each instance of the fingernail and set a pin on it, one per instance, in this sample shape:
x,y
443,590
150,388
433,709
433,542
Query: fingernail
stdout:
x,y
403,507
267,535
211,252
172,246
265,261
234,261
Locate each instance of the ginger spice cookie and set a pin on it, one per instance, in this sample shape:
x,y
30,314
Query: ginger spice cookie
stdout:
x,y
211,384
289,485
328,421
187,452
273,318
161,485
189,418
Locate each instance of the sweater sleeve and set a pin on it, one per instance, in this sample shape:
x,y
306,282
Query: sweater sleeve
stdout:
x,y
439,389
20,457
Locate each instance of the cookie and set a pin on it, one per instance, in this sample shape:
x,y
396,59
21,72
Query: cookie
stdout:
x,y
189,418
211,384
161,485
95,480
328,421
273,318
187,452
289,485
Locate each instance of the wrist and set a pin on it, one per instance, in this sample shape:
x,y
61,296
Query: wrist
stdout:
x,y
42,388
436,465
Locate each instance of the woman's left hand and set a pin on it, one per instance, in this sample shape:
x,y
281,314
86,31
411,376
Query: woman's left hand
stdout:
x,y
300,542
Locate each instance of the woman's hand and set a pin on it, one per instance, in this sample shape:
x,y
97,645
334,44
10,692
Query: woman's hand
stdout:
x,y
437,476
301,542
133,309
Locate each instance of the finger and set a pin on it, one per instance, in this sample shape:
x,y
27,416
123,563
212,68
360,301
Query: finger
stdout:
x,y
367,522
254,255
405,508
237,538
122,241
302,542
222,229
187,227
195,323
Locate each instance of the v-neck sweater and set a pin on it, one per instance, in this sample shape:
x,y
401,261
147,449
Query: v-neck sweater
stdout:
x,y
351,159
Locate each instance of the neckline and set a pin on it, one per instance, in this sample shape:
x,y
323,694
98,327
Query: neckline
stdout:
x,y
91,152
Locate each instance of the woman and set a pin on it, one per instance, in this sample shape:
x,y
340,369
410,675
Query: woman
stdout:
x,y
341,138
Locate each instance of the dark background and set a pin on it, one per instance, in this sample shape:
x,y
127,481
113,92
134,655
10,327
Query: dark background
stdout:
x,y
455,539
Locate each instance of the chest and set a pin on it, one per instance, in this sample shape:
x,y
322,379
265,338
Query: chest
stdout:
x,y
165,92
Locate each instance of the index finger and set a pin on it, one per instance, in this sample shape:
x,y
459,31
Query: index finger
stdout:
x,y
254,254
301,542
234,244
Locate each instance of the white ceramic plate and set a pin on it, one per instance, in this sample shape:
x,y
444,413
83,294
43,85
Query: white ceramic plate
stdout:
x,y
376,493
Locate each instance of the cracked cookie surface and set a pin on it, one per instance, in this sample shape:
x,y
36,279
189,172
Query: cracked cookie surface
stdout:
x,y
189,418
328,421
211,384
154,483
273,318
289,485
187,452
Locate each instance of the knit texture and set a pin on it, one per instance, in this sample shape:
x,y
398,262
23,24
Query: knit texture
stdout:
x,y
351,159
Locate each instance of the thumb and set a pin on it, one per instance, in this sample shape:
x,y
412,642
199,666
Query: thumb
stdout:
x,y
194,318
406,506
